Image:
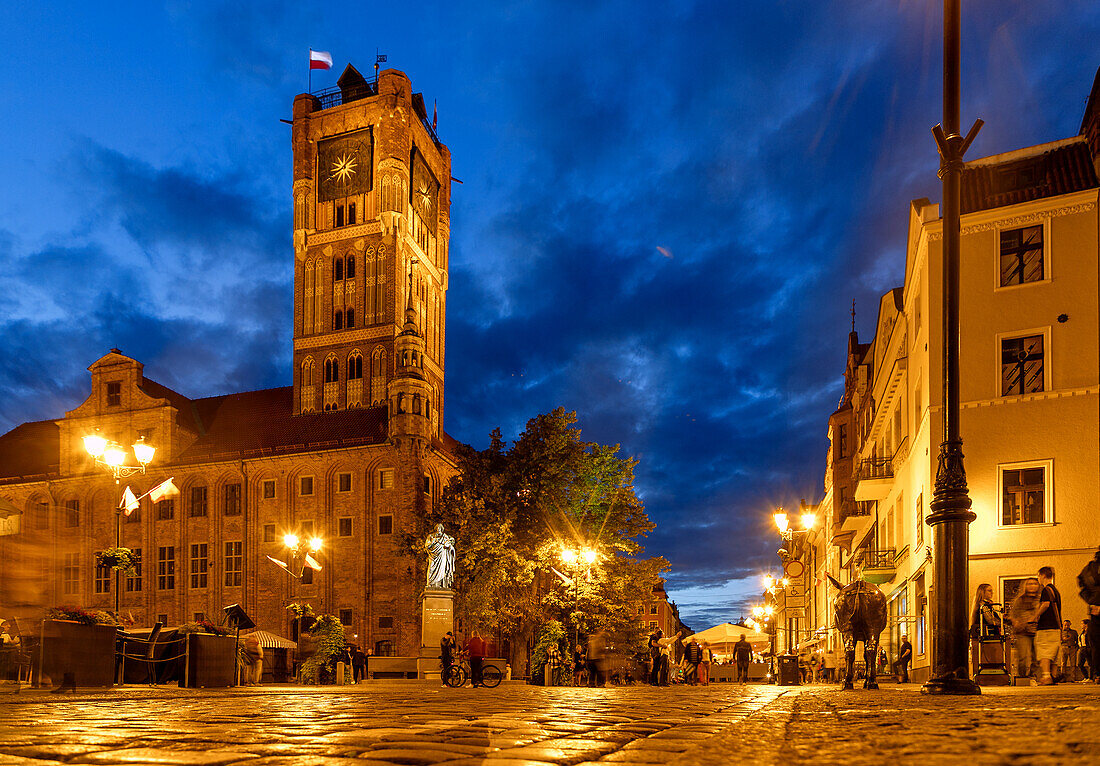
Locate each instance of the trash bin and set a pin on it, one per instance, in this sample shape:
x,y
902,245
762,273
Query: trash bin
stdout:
x,y
788,670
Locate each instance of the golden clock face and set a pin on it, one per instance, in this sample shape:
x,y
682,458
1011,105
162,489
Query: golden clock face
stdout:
x,y
424,194
344,166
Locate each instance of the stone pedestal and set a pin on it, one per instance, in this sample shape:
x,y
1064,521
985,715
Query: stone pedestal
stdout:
x,y
436,618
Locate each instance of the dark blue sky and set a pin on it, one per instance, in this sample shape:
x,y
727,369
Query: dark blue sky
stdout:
x,y
666,211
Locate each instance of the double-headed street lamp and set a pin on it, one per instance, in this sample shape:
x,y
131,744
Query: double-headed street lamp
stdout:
x,y
574,559
301,557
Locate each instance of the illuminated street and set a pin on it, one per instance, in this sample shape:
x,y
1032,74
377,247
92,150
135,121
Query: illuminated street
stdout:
x,y
519,724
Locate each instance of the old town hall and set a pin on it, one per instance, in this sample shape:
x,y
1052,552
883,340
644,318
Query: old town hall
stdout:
x,y
351,453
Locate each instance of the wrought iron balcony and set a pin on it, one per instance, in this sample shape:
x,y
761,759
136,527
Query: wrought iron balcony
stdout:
x,y
876,468
879,566
874,478
337,96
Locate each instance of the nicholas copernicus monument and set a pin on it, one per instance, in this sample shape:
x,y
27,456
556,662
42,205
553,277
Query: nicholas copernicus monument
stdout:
x,y
437,600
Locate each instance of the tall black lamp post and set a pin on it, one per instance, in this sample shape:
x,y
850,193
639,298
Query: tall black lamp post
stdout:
x,y
950,515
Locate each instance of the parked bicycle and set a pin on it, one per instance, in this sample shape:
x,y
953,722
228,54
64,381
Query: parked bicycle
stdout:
x,y
459,674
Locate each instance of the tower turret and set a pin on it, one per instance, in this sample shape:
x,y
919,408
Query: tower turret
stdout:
x,y
410,392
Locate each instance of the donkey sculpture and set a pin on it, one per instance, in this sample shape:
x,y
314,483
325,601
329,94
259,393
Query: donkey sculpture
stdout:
x,y
860,615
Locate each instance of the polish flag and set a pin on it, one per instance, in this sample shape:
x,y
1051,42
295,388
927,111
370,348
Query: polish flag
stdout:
x,y
165,489
320,59
312,563
129,502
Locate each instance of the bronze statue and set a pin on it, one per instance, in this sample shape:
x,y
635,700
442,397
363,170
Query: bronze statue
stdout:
x,y
859,611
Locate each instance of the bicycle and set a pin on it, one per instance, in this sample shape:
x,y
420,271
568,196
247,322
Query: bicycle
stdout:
x,y
460,673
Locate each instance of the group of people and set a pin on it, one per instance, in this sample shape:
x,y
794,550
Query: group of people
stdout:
x,y
476,649
671,660
1045,645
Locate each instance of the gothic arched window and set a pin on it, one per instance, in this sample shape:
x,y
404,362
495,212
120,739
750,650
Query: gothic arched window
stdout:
x,y
350,270
350,321
355,367
338,270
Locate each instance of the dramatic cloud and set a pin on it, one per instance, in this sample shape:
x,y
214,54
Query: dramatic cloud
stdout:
x,y
666,211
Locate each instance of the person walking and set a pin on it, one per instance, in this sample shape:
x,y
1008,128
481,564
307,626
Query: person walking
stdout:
x,y
1089,583
828,666
655,657
1084,662
447,654
597,648
579,664
1024,617
742,655
1048,633
475,648
693,655
1067,656
704,665
905,656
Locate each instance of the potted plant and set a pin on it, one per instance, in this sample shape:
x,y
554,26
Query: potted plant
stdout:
x,y
78,646
211,655
119,558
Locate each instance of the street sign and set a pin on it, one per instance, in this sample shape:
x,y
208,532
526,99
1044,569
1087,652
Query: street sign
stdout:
x,y
794,569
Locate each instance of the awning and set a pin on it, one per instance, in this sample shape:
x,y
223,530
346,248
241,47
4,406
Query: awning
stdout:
x,y
271,641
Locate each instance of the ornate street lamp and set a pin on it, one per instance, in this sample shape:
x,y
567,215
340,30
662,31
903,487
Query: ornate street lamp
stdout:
x,y
574,559
951,515
300,555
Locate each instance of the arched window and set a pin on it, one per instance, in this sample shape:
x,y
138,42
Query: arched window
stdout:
x,y
332,371
307,371
338,320
338,270
351,318
427,484
355,367
416,404
350,267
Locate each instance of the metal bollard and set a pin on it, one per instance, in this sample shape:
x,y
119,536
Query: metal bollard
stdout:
x,y
339,674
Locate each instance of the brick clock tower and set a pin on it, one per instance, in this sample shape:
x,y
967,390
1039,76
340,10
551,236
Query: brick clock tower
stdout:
x,y
371,228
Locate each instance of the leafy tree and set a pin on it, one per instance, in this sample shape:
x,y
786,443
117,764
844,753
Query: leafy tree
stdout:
x,y
513,509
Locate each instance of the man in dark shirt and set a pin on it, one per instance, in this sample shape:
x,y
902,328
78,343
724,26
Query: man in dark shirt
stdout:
x,y
1048,636
1089,582
447,654
655,656
905,656
742,655
1067,656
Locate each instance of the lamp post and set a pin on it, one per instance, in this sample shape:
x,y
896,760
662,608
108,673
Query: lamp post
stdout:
x,y
112,457
794,532
950,515
300,557
574,559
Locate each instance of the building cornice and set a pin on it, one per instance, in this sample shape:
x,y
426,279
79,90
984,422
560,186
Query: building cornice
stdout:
x,y
1024,214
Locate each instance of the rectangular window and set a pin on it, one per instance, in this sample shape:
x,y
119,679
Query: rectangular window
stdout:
x,y
166,567
162,619
70,574
653,609
232,499
114,393
306,528
842,441
339,216
652,624
1021,253
921,623
920,519
1021,365
307,576
102,576
1023,495
385,478
1010,586
166,510
233,563
385,622
269,489
343,526
343,482
269,533
305,485
198,565
345,617
198,501
72,513
385,525
351,221
133,582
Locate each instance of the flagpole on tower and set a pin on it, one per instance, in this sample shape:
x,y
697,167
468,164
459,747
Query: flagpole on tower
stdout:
x,y
309,79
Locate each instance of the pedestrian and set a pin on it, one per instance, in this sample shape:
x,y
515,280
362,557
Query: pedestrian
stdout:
x,y
447,655
357,663
742,656
984,621
251,660
1089,583
475,648
1067,657
1048,634
828,666
579,664
693,655
655,656
704,666
1084,662
905,656
597,644
1023,614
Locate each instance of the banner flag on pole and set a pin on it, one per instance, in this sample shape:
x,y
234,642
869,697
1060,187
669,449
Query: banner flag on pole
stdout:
x,y
165,489
312,563
435,114
129,502
320,59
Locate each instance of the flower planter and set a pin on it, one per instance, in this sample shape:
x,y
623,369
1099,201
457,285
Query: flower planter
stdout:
x,y
85,651
211,661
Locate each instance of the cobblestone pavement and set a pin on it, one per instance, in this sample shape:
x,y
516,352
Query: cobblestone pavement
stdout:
x,y
517,725
514,725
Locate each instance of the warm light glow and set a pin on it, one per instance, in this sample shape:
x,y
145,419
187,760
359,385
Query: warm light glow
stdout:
x,y
785,582
113,455
569,555
95,444
808,520
769,610
290,540
316,543
143,452
589,555
758,611
769,581
781,521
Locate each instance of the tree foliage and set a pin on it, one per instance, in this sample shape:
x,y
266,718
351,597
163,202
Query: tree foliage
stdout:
x,y
512,510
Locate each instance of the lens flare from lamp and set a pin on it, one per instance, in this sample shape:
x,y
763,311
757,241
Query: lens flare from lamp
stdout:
x,y
757,611
94,444
769,581
589,555
569,555
769,610
808,520
290,540
316,543
113,455
144,452
785,582
781,521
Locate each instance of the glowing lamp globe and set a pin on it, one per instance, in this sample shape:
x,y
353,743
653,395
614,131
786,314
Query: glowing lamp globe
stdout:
x,y
114,456
568,556
589,555
290,541
144,452
94,445
316,543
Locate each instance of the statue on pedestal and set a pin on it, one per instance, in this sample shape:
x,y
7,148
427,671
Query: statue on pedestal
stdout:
x,y
441,559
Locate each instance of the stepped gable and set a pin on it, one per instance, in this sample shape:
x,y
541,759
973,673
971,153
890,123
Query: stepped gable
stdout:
x,y
30,450
261,422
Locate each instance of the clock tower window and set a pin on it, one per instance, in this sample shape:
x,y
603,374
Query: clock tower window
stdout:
x,y
338,320
350,320
349,269
338,270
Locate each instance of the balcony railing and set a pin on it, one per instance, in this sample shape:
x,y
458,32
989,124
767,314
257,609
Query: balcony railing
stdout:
x,y
875,468
883,558
336,96
851,508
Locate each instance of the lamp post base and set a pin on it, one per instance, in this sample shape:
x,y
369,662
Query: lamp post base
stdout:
x,y
950,685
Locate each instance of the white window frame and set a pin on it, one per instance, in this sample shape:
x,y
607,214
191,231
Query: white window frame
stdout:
x,y
1048,492
1047,361
1045,223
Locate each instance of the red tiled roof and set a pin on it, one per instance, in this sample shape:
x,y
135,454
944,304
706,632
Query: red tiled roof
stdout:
x,y
185,415
30,449
261,422
1062,170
